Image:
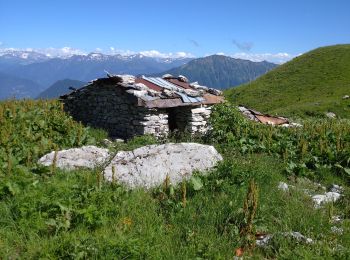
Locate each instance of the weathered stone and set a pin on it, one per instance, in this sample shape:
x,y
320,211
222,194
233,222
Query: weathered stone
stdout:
x,y
86,156
324,198
283,186
148,166
331,115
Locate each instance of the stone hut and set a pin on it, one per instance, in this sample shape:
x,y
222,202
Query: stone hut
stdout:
x,y
127,106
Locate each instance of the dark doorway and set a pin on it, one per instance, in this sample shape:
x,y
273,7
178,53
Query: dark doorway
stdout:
x,y
172,119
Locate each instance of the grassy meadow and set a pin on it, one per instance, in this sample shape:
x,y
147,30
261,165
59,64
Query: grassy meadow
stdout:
x,y
48,213
310,85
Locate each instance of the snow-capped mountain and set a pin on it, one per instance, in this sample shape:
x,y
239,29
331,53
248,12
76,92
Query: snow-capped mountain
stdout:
x,y
45,69
12,56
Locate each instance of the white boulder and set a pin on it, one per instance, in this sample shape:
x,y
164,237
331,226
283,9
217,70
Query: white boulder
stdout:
x,y
149,166
83,157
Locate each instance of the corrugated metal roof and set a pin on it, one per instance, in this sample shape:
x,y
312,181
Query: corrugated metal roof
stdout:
x,y
161,82
187,99
170,86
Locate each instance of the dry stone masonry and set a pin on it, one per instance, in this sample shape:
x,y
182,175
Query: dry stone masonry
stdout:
x,y
126,106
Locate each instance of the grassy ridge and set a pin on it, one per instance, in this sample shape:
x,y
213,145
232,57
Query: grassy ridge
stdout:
x,y
76,215
311,84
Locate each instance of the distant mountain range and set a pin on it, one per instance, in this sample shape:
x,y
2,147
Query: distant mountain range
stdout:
x,y
60,87
220,71
28,73
86,67
45,71
16,87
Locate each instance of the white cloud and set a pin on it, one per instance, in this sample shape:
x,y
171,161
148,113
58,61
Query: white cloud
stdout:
x,y
56,52
157,54
280,57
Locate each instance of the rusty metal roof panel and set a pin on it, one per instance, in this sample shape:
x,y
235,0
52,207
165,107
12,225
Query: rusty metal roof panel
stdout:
x,y
148,84
271,120
179,83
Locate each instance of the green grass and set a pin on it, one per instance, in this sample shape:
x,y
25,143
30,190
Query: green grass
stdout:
x,y
69,216
75,215
309,85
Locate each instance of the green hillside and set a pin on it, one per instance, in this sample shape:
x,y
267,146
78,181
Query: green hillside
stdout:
x,y
61,87
309,85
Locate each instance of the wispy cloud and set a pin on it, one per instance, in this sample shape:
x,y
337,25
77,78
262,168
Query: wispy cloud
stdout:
x,y
243,46
194,42
157,54
151,53
57,52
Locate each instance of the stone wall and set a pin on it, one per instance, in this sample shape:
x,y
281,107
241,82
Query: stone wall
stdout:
x,y
199,119
110,108
154,121
192,119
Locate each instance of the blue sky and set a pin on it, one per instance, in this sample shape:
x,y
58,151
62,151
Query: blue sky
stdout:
x,y
248,28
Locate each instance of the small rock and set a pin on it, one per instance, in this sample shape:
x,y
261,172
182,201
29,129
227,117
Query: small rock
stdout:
x,y
87,156
291,125
324,198
346,97
283,186
118,140
298,236
331,115
263,240
107,142
336,219
336,230
336,188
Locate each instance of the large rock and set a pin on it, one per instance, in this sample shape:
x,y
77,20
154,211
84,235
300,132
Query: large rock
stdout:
x,y
148,166
86,157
